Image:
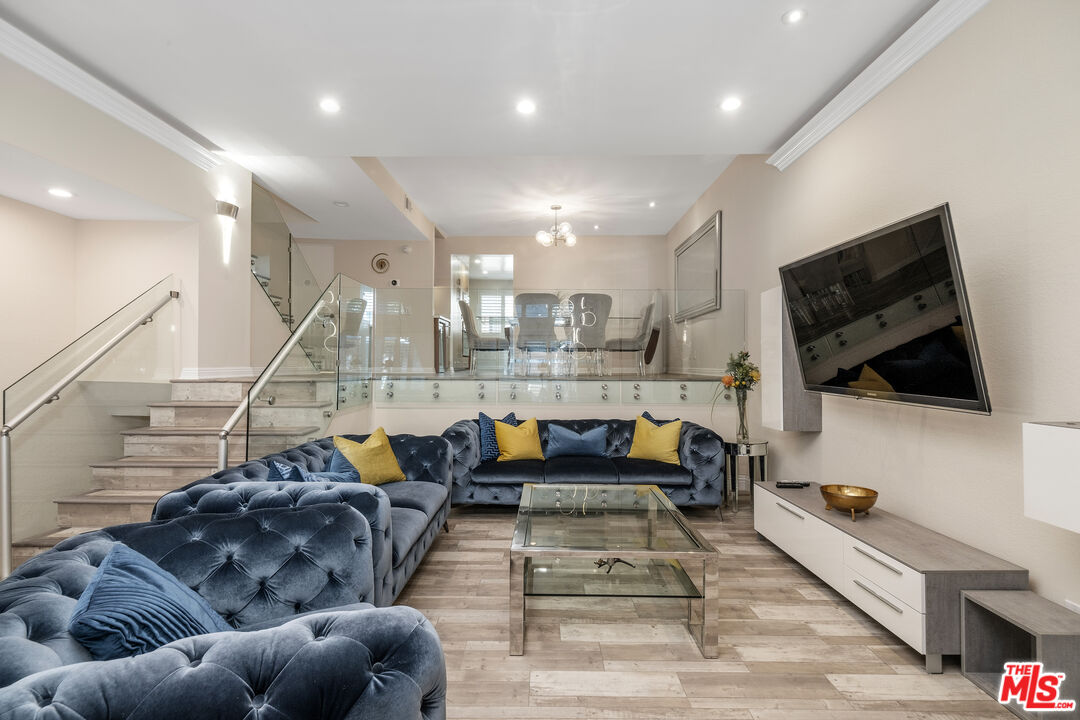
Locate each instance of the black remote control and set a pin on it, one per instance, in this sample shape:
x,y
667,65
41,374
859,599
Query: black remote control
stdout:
x,y
782,484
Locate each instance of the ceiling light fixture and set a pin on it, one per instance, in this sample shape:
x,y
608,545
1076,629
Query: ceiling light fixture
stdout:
x,y
61,193
595,227
559,232
793,16
341,203
731,103
329,105
526,106
652,203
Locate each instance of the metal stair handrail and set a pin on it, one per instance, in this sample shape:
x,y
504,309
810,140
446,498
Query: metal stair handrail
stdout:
x,y
49,396
268,373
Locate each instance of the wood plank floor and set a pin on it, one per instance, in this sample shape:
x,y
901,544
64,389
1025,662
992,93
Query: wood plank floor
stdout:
x,y
791,647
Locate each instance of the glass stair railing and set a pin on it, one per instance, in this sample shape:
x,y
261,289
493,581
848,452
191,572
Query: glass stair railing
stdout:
x,y
69,412
324,366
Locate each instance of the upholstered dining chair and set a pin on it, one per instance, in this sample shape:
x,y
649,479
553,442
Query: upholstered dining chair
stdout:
x,y
478,342
589,324
639,342
535,314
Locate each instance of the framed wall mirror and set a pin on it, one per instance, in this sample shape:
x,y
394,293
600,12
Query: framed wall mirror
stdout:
x,y
697,271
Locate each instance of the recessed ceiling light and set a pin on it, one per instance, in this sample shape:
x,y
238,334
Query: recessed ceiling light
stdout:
x,y
61,192
341,203
793,16
526,106
652,203
329,105
483,272
595,227
730,103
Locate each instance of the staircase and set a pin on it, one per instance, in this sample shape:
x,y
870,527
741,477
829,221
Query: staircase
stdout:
x,y
180,446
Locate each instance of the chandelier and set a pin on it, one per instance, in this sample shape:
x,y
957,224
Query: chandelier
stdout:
x,y
559,232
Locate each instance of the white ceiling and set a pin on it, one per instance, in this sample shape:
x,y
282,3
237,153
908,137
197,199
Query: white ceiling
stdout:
x,y
513,195
624,84
27,177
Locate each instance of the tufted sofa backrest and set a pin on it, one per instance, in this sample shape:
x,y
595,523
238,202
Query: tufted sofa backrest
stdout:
x,y
250,568
421,457
620,434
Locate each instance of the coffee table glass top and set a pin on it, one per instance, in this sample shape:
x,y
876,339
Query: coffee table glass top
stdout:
x,y
608,518
606,540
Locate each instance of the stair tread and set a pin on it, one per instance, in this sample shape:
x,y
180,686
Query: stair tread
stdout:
x,y
204,430
114,497
158,461
179,381
51,537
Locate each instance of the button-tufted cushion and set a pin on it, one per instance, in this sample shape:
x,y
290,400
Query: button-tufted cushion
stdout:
x,y
254,567
376,663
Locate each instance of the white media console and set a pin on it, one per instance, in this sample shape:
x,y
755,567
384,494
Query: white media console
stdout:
x,y
905,576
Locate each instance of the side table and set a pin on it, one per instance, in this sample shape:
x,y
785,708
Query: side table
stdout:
x,y
751,449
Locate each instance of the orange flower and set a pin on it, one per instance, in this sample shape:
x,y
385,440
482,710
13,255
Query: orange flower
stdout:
x,y
727,380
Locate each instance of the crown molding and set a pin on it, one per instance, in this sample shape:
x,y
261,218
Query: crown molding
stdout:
x,y
35,57
928,31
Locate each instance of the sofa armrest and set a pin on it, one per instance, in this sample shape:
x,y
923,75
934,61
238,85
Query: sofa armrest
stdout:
x,y
701,451
385,663
464,439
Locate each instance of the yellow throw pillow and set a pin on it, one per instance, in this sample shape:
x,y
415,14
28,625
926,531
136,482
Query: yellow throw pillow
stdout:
x,y
373,459
518,443
870,380
656,443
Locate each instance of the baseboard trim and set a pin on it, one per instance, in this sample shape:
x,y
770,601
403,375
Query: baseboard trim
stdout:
x,y
217,373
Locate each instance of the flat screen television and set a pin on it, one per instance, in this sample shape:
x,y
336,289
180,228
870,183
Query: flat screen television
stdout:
x,y
885,317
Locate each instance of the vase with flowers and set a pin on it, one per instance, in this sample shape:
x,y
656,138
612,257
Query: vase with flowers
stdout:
x,y
742,376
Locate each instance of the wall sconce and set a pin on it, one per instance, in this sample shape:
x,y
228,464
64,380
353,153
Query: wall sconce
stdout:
x,y
227,213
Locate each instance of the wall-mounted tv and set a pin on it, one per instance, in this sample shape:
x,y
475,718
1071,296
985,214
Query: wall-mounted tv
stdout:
x,y
885,317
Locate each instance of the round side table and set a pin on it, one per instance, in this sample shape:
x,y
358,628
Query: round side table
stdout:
x,y
753,450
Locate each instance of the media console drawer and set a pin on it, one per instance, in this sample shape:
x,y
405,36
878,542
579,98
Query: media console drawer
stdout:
x,y
893,576
905,576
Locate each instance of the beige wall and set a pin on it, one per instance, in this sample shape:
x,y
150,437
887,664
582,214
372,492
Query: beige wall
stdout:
x,y
353,258
987,121
37,286
60,128
595,263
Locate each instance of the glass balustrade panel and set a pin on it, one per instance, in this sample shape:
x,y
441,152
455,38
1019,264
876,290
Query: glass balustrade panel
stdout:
x,y
98,418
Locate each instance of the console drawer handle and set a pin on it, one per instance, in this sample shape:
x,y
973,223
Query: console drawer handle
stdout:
x,y
870,592
785,507
882,563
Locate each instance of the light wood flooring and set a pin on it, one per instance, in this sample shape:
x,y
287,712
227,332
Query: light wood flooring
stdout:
x,y
791,647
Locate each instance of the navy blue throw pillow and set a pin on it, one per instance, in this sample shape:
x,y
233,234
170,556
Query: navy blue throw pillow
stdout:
x,y
132,606
280,472
564,441
489,447
654,421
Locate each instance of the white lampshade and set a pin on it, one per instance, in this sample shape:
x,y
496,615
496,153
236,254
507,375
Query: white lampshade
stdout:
x,y
565,228
570,240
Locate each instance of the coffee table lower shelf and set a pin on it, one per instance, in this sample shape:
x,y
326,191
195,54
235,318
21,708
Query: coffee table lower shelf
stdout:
x,y
640,574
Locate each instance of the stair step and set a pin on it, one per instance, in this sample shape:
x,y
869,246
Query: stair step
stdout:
x,y
23,550
100,508
161,473
213,431
207,413
215,389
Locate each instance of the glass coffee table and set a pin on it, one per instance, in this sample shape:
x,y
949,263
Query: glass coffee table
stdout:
x,y
611,541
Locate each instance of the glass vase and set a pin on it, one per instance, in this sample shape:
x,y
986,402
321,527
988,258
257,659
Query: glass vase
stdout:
x,y
743,433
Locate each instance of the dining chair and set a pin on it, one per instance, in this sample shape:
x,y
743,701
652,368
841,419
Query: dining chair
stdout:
x,y
639,342
535,314
589,324
479,342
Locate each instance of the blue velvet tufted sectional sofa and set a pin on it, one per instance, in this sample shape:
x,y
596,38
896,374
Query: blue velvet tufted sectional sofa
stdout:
x,y
292,581
698,479
404,517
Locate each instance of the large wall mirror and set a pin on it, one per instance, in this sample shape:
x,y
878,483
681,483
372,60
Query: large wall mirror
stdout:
x,y
697,271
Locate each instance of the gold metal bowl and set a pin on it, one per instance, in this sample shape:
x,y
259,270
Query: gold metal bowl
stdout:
x,y
849,497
